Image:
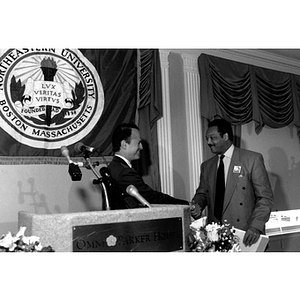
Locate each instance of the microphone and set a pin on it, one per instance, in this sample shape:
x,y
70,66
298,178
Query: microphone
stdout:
x,y
104,172
65,152
107,179
74,170
132,191
80,147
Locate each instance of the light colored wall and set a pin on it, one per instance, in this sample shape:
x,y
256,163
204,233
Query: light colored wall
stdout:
x,y
281,151
44,189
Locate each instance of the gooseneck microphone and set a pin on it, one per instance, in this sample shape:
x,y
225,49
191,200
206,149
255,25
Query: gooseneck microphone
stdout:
x,y
65,152
74,170
132,191
81,148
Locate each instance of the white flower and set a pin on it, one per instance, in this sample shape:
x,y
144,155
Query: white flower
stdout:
x,y
212,232
38,247
21,231
20,242
213,237
197,224
8,241
30,239
198,235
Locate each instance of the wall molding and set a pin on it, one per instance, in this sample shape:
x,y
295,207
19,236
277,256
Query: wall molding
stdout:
x,y
263,58
194,132
164,134
258,57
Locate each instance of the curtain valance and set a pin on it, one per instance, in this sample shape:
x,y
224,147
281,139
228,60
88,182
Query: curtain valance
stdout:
x,y
240,93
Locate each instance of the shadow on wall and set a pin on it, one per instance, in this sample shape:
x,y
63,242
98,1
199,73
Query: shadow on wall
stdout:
x,y
286,181
83,198
294,181
143,164
147,168
179,182
37,200
84,195
280,148
278,163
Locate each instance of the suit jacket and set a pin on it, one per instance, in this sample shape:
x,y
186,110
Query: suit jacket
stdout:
x,y
248,199
124,176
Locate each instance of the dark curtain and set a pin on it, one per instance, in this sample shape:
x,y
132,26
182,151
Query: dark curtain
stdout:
x,y
241,93
149,112
117,69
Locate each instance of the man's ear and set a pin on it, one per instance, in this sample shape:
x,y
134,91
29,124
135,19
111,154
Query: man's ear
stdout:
x,y
123,144
225,136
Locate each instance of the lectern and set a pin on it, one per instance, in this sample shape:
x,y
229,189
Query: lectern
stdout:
x,y
159,228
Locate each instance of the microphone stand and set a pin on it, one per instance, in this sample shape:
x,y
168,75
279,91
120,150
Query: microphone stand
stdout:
x,y
99,178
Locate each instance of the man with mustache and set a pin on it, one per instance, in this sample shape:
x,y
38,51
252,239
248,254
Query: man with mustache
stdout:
x,y
127,146
247,198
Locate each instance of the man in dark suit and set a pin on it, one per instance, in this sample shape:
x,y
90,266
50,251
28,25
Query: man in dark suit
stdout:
x,y
127,145
248,198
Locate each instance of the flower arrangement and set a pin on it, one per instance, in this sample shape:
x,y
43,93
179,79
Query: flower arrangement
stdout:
x,y
213,237
22,243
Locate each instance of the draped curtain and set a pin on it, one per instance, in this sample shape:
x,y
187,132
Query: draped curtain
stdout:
x,y
149,112
241,93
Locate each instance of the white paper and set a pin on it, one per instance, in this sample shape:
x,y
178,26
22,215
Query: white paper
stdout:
x,y
259,246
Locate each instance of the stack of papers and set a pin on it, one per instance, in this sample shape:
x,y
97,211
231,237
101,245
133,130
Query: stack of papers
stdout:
x,y
259,246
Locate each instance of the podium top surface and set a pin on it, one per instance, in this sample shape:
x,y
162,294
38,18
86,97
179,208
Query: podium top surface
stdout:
x,y
156,208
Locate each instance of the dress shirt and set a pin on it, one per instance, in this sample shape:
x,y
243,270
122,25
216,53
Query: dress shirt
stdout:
x,y
227,160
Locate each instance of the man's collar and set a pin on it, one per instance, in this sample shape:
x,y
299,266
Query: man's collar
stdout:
x,y
125,159
229,151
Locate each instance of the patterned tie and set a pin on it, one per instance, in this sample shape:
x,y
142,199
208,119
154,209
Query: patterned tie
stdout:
x,y
220,190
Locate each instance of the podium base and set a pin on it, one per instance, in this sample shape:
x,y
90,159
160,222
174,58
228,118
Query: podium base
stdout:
x,y
160,228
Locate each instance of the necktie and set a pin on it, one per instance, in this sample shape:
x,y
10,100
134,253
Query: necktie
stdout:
x,y
220,190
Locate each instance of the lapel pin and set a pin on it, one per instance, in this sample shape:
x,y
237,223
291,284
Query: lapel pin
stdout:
x,y
237,169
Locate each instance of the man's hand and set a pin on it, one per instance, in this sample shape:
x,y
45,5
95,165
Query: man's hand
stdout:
x,y
251,236
195,210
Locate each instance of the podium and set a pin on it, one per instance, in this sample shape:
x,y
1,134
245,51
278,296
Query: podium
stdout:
x,y
160,228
